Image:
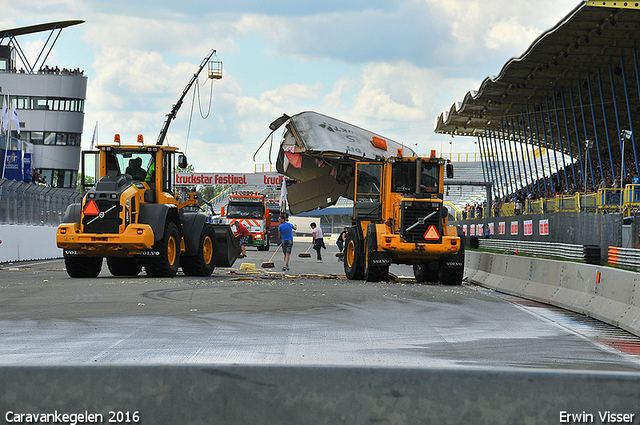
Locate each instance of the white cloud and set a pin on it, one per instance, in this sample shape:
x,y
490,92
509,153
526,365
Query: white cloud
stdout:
x,y
389,66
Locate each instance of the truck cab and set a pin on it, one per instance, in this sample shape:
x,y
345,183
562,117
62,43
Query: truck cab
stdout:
x,y
250,209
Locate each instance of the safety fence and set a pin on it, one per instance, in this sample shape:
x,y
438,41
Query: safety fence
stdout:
x,y
33,204
588,253
604,201
624,257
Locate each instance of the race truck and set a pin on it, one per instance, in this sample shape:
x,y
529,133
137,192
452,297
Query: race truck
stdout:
x,y
134,218
274,214
398,214
250,209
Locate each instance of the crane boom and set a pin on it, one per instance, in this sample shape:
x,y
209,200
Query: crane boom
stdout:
x,y
174,110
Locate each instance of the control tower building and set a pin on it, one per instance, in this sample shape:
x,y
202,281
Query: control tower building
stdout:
x,y
49,102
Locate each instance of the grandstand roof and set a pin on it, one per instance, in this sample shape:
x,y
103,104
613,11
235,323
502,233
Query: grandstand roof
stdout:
x,y
31,29
590,53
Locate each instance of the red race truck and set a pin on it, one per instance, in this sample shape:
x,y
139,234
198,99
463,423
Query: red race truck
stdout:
x,y
250,209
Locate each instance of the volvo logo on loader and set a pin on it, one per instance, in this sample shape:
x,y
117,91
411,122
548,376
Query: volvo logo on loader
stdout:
x,y
421,221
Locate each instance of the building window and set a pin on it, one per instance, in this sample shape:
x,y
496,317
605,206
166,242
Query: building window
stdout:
x,y
37,137
60,178
49,138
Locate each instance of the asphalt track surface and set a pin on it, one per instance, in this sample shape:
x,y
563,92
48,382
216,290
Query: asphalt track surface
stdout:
x,y
311,315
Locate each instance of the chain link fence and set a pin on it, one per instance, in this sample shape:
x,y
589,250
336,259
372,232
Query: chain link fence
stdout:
x,y
33,204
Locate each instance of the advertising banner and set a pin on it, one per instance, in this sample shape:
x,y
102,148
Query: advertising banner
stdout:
x,y
12,165
514,228
26,165
544,227
528,227
240,179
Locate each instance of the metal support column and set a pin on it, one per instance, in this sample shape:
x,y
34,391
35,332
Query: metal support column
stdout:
x,y
566,125
615,110
544,176
535,163
484,174
586,134
564,163
493,175
606,126
575,123
521,133
505,141
497,169
553,142
546,146
515,149
626,97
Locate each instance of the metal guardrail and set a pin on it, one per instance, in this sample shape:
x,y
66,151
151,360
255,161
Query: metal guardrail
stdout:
x,y
33,204
625,257
543,249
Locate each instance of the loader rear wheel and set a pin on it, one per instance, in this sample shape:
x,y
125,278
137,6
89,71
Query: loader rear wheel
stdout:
x,y
203,263
428,271
165,265
124,266
373,272
453,269
353,256
83,266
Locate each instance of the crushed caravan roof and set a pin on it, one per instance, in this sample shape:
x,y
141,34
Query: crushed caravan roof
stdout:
x,y
321,152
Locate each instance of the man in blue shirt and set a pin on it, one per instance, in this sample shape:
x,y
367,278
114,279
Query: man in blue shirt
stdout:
x,y
285,230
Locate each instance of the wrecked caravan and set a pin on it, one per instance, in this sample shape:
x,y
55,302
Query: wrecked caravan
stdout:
x,y
321,152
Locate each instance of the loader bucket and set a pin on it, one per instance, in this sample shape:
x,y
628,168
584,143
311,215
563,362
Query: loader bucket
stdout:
x,y
227,249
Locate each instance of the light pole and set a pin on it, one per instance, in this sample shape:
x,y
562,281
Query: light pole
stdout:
x,y
624,135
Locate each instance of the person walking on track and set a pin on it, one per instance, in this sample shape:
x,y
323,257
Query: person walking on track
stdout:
x,y
318,241
285,231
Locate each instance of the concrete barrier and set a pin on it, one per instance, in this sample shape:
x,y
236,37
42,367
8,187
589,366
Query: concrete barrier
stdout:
x,y
604,293
21,243
201,394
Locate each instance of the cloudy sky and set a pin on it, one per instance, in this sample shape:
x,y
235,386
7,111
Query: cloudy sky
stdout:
x,y
388,66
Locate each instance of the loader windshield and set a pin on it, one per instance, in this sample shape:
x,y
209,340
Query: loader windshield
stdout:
x,y
133,165
405,180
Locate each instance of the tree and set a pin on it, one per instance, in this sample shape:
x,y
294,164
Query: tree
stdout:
x,y
89,180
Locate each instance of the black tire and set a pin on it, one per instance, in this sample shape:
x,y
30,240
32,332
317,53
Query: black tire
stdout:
x,y
204,262
428,271
166,265
124,266
266,245
373,273
83,266
353,256
453,267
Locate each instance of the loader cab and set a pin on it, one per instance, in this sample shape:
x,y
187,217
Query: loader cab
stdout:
x,y
415,177
136,164
382,184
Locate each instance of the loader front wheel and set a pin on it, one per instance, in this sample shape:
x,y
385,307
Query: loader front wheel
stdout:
x,y
353,256
203,263
166,264
83,266
124,266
